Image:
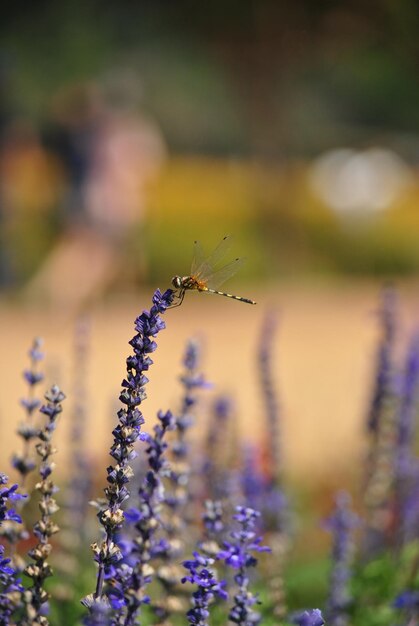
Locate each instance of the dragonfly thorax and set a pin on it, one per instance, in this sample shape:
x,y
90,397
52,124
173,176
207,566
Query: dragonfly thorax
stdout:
x,y
188,282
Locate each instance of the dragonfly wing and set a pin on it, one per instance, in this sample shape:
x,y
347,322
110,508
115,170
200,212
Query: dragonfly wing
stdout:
x,y
207,265
217,278
220,251
199,265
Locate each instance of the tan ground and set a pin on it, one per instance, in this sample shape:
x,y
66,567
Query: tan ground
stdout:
x,y
324,358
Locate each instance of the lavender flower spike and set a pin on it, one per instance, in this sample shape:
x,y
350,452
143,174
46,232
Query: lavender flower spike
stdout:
x,y
179,493
126,433
410,394
382,427
213,521
406,466
133,577
342,524
384,359
99,613
36,597
23,462
10,587
273,414
208,587
8,493
312,617
78,492
191,380
216,450
238,554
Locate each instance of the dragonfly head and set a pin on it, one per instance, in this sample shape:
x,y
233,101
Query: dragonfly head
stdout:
x,y
177,282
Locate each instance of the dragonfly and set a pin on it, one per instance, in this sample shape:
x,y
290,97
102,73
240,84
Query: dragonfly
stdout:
x,y
205,277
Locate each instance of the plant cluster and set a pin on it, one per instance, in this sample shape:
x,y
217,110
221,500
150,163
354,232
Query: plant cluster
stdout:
x,y
182,525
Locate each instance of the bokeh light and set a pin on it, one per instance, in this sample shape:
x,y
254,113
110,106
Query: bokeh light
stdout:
x,y
353,182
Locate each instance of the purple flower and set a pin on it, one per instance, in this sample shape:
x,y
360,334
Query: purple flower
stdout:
x,y
10,590
223,407
213,528
341,524
382,429
36,598
130,579
238,554
208,587
6,494
407,600
312,617
215,475
213,517
23,462
384,361
10,587
406,464
78,489
178,495
4,563
99,611
253,483
270,395
409,399
191,380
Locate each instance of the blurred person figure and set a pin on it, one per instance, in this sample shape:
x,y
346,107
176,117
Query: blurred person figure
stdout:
x,y
75,118
110,153
127,153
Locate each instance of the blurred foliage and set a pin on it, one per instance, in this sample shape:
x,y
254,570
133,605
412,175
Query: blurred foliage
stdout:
x,y
259,77
278,224
202,199
306,585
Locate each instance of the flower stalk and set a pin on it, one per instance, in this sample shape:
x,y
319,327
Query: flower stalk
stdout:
x,y
10,587
208,587
341,524
239,555
130,419
178,494
36,597
131,580
24,463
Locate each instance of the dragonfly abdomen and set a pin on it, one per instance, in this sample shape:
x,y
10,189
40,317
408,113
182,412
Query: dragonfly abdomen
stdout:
x,y
230,295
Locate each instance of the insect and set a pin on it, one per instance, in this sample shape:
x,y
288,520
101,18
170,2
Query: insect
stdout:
x,y
204,276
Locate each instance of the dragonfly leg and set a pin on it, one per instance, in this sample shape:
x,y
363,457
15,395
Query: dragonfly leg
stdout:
x,y
180,297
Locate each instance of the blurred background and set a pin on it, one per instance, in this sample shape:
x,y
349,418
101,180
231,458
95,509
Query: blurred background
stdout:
x,y
127,130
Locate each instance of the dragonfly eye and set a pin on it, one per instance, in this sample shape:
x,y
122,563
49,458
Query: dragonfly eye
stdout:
x,y
177,282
